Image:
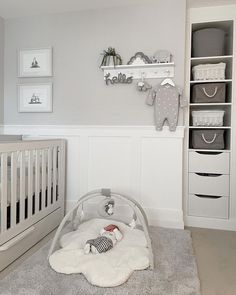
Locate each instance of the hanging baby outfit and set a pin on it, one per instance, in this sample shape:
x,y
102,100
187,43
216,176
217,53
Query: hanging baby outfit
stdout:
x,y
166,99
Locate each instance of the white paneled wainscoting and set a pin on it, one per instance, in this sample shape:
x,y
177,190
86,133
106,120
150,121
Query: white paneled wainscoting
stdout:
x,y
135,160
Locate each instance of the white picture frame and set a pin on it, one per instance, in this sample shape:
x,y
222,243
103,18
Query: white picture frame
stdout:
x,y
35,62
35,98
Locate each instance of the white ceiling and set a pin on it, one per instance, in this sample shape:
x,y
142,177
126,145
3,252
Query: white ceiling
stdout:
x,y
21,8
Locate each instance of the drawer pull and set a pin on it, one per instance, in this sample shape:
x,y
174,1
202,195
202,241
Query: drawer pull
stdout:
x,y
208,197
208,153
209,174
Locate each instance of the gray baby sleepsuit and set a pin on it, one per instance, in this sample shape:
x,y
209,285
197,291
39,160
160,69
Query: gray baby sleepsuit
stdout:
x,y
166,100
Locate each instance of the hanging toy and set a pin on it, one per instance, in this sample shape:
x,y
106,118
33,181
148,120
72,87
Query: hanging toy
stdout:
x,y
106,207
142,85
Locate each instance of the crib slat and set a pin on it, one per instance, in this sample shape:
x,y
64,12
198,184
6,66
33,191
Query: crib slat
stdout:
x,y
49,176
13,188
4,180
30,183
37,180
43,193
54,174
22,186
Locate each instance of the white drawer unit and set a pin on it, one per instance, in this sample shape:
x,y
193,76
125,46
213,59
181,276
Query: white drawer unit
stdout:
x,y
209,162
209,184
208,206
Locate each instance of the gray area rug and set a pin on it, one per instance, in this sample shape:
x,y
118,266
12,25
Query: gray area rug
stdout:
x,y
175,273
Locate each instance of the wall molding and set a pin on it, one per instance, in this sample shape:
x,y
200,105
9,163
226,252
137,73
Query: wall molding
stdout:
x,y
75,130
136,160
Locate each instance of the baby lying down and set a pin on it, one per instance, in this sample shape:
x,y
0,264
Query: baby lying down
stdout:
x,y
109,236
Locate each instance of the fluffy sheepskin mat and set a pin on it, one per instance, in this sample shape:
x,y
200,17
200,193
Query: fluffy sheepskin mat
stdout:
x,y
109,269
175,272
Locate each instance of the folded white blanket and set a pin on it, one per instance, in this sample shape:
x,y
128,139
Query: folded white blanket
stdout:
x,y
108,269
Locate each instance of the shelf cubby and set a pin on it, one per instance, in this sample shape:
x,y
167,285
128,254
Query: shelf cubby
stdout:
x,y
227,26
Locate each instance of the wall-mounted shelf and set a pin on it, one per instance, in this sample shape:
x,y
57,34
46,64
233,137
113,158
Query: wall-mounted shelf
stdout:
x,y
148,71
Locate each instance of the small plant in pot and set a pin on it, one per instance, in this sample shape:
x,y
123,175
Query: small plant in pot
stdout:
x,y
111,58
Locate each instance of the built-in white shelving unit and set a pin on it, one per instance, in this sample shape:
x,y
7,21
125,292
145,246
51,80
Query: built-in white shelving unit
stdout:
x,y
209,200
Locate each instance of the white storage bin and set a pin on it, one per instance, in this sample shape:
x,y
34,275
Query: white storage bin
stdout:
x,y
209,71
208,118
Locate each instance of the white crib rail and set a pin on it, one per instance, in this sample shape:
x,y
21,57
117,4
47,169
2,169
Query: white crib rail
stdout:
x,y
32,183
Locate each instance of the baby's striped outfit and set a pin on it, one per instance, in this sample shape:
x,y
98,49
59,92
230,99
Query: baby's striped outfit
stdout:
x,y
102,244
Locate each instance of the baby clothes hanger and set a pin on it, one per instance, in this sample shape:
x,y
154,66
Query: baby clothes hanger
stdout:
x,y
168,81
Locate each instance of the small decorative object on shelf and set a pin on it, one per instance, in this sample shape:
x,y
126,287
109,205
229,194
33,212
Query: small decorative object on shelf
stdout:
x,y
119,79
111,58
139,59
161,56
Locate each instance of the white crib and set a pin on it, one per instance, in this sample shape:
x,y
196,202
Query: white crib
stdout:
x,y
32,185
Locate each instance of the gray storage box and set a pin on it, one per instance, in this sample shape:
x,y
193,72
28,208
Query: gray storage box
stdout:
x,y
211,139
208,92
208,42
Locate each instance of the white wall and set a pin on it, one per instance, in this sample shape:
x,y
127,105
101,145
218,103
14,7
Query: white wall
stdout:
x,y
80,95
136,160
1,70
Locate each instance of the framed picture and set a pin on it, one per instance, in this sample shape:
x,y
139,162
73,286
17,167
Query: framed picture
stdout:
x,y
34,98
35,62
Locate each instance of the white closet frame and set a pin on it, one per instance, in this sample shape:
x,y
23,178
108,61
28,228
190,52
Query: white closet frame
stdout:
x,y
198,15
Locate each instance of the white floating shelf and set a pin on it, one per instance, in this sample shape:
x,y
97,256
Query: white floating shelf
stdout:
x,y
148,71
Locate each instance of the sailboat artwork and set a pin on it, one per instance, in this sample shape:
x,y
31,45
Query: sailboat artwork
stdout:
x,y
35,99
35,64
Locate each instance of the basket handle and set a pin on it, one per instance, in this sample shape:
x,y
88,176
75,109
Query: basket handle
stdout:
x,y
209,141
210,95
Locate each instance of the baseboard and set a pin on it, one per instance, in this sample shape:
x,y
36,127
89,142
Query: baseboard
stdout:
x,y
156,217
212,223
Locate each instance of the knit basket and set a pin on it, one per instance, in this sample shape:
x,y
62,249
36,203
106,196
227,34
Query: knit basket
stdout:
x,y
209,71
208,118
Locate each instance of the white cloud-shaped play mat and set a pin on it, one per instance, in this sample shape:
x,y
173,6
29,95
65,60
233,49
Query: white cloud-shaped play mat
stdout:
x,y
108,269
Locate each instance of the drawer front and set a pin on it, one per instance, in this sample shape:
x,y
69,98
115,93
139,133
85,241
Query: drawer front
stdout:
x,y
204,206
209,163
217,185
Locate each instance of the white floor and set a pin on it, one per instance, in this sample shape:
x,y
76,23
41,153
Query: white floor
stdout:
x,y
216,257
